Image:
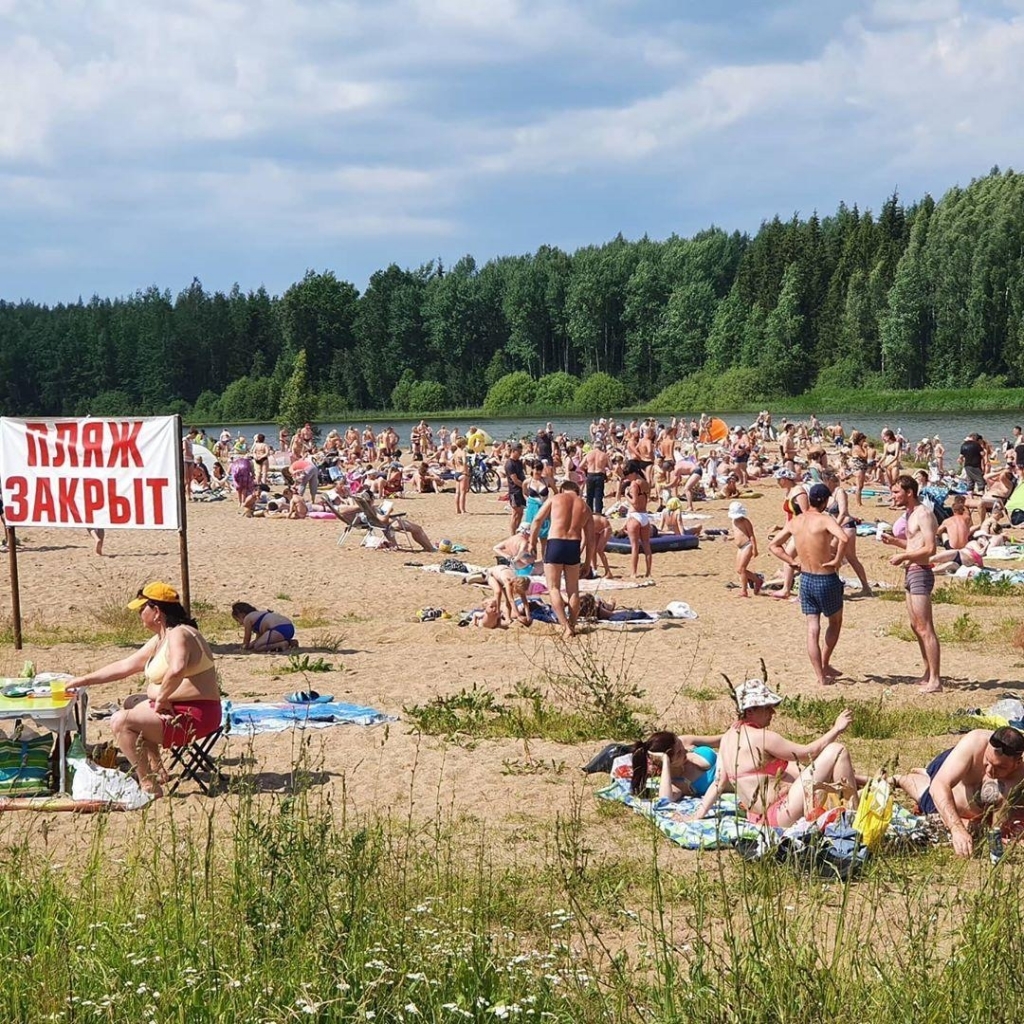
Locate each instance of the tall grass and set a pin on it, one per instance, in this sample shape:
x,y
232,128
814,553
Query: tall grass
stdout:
x,y
289,910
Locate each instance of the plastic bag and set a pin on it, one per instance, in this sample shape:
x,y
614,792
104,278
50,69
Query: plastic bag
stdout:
x,y
92,782
874,812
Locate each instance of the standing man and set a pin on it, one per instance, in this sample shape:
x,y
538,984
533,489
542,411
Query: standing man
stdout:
x,y
919,546
972,454
515,477
545,452
596,466
572,528
820,548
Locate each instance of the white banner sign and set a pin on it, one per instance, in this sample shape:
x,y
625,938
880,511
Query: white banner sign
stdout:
x,y
108,473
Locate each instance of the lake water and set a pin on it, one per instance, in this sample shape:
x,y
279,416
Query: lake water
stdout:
x,y
951,427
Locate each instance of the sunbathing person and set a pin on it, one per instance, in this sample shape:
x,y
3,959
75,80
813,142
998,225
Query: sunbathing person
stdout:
x,y
426,481
772,775
972,554
183,695
402,523
984,771
265,630
686,764
488,617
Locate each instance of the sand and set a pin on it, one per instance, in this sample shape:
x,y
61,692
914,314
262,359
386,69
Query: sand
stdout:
x,y
387,659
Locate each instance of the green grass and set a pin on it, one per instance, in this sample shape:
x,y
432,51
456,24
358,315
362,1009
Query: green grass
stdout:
x,y
582,693
304,663
875,720
964,629
288,909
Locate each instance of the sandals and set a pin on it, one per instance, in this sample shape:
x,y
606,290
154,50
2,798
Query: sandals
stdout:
x,y
309,697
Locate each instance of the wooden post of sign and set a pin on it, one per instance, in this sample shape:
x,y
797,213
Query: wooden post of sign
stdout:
x,y
12,556
186,586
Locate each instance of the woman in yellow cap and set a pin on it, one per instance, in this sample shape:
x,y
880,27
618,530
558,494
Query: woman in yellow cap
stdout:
x,y
184,698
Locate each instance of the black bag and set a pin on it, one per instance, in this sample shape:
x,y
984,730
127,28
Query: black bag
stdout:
x,y
602,760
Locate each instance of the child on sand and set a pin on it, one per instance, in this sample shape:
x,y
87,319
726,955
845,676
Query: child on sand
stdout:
x,y
746,549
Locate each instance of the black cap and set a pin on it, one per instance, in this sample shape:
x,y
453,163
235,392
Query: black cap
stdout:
x,y
818,495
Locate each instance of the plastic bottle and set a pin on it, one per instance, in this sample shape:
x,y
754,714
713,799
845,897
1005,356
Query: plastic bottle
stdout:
x,y
995,845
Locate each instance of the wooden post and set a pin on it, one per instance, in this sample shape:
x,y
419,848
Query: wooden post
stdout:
x,y
12,556
186,586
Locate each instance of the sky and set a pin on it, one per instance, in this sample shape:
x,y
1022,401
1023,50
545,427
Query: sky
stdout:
x,y
246,141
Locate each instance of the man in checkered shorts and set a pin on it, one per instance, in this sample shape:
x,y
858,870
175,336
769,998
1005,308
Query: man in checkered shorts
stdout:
x,y
820,549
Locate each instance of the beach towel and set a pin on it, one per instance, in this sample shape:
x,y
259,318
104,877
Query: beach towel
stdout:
x,y
276,717
721,830
725,828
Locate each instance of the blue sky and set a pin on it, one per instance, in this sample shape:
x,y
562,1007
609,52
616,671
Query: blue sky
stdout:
x,y
248,140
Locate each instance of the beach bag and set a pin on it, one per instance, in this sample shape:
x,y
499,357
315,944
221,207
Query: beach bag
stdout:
x,y
91,782
874,812
25,764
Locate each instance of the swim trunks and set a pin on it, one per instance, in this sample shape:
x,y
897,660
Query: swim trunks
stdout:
x,y
562,552
925,803
920,580
192,720
821,593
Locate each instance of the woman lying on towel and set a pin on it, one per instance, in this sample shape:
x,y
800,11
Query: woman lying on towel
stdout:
x,y
184,698
764,768
686,764
265,630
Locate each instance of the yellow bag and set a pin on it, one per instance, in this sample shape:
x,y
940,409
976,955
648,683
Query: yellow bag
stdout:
x,y
874,812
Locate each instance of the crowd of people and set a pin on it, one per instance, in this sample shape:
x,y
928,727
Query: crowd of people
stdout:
x,y
566,497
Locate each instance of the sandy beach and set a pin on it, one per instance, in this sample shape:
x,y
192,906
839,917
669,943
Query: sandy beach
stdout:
x,y
366,603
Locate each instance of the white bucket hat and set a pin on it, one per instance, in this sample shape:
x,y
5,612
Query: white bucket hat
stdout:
x,y
755,693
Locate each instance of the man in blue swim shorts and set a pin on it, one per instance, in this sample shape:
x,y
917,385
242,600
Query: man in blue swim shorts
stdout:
x,y
572,529
820,548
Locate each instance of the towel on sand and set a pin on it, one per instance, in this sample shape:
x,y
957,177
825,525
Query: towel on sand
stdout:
x,y
276,717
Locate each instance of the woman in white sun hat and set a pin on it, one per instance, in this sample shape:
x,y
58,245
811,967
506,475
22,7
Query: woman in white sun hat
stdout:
x,y
776,780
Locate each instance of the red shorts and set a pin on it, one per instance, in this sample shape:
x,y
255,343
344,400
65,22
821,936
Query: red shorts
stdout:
x,y
192,720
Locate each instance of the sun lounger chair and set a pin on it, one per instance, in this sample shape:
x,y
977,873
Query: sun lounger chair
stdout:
x,y
389,527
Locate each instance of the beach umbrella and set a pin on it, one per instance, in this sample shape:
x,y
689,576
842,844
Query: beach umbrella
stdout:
x,y
717,430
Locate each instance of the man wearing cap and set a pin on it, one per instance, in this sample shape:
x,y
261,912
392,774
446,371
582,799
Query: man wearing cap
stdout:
x,y
820,548
983,771
770,774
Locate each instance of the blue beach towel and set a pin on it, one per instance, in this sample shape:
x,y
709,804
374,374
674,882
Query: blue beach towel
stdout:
x,y
259,718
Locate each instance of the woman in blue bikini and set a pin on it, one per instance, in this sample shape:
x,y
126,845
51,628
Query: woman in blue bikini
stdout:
x,y
265,630
686,764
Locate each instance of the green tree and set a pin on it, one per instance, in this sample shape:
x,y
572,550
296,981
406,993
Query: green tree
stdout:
x,y
298,401
513,391
600,393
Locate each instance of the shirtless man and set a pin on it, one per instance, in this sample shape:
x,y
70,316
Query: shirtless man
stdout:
x,y
983,771
820,549
596,466
572,527
919,546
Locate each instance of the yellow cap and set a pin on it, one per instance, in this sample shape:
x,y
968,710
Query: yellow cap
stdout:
x,y
155,592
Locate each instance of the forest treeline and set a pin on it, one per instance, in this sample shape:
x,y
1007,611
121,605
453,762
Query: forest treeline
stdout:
x,y
929,295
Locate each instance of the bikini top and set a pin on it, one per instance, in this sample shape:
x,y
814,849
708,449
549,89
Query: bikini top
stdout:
x,y
156,667
535,493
